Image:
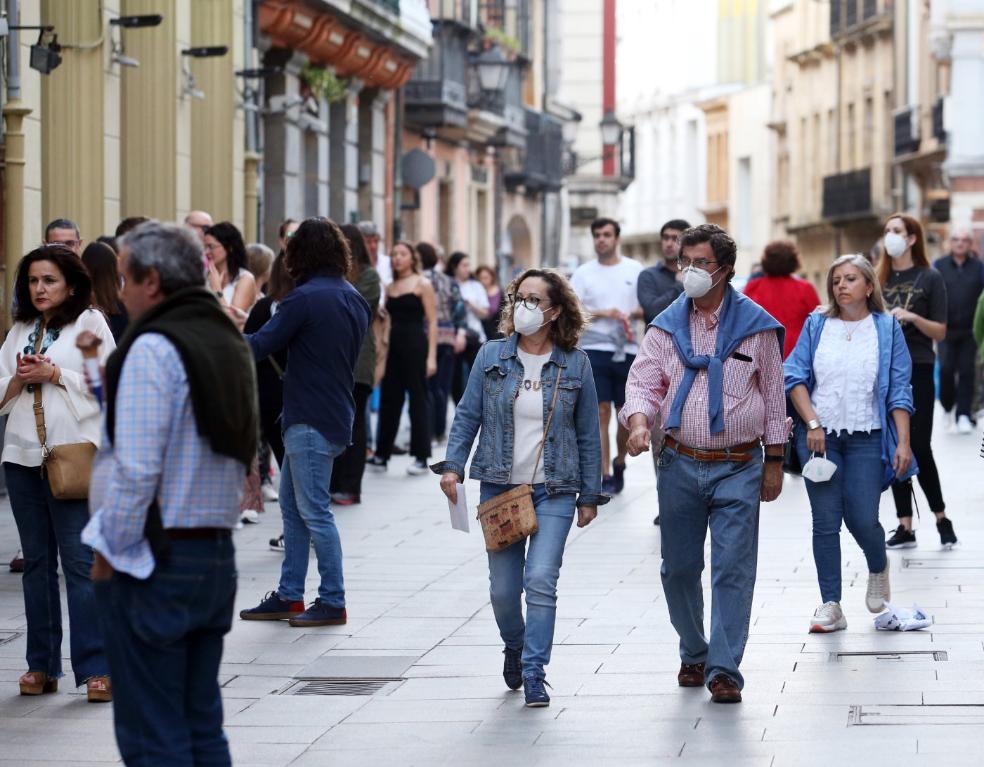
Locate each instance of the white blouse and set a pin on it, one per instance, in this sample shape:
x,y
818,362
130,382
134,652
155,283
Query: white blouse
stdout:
x,y
71,413
846,393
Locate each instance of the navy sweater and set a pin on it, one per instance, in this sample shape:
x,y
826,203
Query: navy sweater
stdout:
x,y
321,324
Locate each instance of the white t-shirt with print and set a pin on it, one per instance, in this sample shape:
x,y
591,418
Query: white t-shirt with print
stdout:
x,y
528,420
602,287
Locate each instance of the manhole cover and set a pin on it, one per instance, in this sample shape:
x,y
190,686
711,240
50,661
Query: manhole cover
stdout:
x,y
914,715
8,636
342,686
899,656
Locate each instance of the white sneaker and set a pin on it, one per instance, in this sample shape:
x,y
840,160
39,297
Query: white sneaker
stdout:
x,y
879,591
270,493
828,617
964,426
417,467
250,517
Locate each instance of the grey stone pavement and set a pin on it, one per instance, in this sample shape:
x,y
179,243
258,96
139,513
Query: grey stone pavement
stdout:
x,y
419,615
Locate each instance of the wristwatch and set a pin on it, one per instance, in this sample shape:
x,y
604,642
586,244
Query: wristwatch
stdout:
x,y
812,424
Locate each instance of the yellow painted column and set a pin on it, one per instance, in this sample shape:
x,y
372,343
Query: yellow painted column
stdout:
x,y
251,196
13,215
72,169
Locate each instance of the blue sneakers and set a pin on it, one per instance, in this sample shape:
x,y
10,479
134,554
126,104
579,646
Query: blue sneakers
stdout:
x,y
272,608
618,477
536,694
320,614
512,668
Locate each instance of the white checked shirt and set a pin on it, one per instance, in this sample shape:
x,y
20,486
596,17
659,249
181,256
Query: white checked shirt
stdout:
x,y
158,452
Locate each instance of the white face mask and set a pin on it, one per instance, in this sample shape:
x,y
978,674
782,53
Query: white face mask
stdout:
x,y
527,321
895,244
819,469
696,282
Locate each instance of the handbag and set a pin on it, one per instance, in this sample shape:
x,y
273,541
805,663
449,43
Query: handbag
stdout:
x,y
68,467
510,517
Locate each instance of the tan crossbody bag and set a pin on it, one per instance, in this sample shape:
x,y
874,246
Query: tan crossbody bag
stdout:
x,y
510,517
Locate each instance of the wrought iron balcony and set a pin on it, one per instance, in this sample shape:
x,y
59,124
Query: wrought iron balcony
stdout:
x,y
390,5
906,131
542,166
437,93
847,195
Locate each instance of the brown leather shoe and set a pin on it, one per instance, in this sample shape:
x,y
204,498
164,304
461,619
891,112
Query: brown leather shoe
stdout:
x,y
691,675
724,690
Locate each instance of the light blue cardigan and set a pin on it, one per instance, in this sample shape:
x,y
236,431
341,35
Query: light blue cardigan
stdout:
x,y
894,379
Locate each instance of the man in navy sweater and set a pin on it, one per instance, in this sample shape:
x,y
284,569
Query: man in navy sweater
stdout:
x,y
321,324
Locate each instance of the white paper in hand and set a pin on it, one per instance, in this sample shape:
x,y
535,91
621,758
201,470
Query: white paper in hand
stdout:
x,y
459,510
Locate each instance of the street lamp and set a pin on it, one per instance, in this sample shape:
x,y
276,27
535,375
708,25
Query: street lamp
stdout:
x,y
611,129
493,69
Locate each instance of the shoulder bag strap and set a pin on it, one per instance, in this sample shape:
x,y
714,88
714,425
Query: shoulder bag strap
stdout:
x,y
550,413
38,406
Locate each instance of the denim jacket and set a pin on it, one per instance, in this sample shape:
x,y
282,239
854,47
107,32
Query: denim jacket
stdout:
x,y
572,453
894,379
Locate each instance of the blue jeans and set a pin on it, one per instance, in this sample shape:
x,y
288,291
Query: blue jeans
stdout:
x,y
164,641
723,495
305,501
51,530
513,570
851,496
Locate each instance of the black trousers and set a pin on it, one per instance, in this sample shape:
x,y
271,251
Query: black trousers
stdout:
x,y
346,474
957,360
921,429
406,373
462,368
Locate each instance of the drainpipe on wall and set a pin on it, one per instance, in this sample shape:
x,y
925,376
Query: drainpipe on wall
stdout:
x,y
397,166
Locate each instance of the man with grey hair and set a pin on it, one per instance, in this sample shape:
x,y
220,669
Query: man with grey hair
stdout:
x,y
963,274
380,261
165,496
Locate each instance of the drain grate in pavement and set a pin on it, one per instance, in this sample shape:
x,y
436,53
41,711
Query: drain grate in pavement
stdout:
x,y
8,636
922,715
898,656
342,686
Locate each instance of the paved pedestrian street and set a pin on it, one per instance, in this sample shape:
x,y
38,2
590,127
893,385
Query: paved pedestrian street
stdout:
x,y
421,631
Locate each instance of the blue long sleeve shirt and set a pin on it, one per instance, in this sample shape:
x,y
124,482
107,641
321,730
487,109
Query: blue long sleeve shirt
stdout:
x,y
321,324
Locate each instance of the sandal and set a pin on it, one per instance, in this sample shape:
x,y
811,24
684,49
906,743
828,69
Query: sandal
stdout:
x,y
99,689
37,683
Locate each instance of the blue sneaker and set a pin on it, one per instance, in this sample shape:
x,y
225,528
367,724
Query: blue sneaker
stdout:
x,y
512,668
618,477
272,608
608,485
536,695
320,614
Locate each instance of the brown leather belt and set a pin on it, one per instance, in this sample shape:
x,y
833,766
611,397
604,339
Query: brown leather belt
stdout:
x,y
740,453
197,533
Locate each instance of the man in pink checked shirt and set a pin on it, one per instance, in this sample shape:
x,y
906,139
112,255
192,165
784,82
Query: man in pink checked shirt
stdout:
x,y
712,367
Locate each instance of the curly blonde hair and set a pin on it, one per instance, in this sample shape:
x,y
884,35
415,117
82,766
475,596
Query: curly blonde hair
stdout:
x,y
565,331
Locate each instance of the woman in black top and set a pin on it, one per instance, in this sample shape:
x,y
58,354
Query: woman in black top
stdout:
x,y
915,294
411,360
101,261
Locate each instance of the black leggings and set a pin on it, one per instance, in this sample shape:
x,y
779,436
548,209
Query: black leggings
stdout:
x,y
406,372
921,430
346,475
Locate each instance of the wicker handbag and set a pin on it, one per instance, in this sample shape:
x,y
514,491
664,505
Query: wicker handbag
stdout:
x,y
510,517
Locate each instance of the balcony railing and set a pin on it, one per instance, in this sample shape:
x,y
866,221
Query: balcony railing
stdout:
x,y
938,131
847,195
845,15
390,5
906,140
507,104
543,159
460,11
437,93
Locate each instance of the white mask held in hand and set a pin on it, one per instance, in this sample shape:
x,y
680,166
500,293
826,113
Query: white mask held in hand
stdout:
x,y
696,282
819,469
527,321
895,244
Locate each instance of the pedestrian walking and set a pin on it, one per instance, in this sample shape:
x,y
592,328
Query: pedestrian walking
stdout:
x,y
199,222
346,478
411,360
781,293
48,405
712,365
165,495
608,289
915,294
532,396
477,309
848,379
228,276
259,262
321,323
487,277
374,244
659,286
451,338
103,266
62,231
963,275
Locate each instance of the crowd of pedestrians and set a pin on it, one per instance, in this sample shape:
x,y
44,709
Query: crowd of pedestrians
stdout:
x,y
223,360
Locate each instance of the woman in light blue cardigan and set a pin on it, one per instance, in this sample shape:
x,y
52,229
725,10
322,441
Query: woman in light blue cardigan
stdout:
x,y
848,378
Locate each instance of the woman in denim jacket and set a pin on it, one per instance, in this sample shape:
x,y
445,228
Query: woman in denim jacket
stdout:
x,y
508,397
848,378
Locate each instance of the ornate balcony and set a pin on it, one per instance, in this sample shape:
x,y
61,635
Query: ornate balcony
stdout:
x,y
847,196
906,131
436,94
542,168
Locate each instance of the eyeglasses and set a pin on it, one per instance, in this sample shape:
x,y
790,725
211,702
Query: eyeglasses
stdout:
x,y
701,263
670,237
210,248
530,302
64,244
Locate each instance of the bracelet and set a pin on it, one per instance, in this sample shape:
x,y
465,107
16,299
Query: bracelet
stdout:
x,y
812,424
55,374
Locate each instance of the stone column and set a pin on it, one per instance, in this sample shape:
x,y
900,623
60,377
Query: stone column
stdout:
x,y
251,196
372,155
283,177
344,155
13,214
